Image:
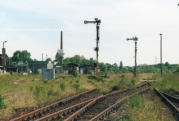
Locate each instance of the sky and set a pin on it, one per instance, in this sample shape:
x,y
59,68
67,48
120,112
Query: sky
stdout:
x,y
35,25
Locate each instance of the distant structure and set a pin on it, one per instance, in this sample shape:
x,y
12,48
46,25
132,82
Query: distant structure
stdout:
x,y
4,58
60,53
60,56
61,49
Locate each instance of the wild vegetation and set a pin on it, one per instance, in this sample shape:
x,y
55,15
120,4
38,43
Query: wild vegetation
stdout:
x,y
142,108
19,91
145,108
168,81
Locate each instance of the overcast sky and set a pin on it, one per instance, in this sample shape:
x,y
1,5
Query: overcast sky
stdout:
x,y
35,25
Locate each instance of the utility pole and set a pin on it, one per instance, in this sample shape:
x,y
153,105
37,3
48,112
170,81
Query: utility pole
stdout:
x,y
161,70
135,39
97,22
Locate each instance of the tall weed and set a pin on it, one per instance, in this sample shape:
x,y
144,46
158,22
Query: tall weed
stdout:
x,y
2,104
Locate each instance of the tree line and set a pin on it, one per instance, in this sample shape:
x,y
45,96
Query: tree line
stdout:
x,y
25,57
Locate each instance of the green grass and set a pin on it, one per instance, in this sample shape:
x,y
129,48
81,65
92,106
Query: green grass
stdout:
x,y
141,108
2,104
167,82
31,90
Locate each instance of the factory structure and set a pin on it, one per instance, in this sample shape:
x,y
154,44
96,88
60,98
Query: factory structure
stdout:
x,y
60,56
42,67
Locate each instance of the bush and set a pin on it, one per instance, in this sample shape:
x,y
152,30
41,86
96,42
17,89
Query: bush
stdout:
x,y
45,81
62,86
38,90
106,92
116,87
75,73
98,78
77,81
177,70
134,81
76,86
2,104
50,92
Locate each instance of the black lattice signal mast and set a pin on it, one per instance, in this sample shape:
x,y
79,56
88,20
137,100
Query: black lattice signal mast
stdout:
x,y
135,39
97,22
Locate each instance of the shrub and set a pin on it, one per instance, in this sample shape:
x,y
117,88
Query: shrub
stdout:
x,y
75,73
116,87
45,81
62,86
76,86
2,104
106,92
38,90
177,70
134,81
50,92
98,78
77,81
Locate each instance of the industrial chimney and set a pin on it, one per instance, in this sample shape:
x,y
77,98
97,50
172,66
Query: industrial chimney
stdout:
x,y
61,49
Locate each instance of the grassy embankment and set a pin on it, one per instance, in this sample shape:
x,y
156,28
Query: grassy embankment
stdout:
x,y
167,82
142,108
27,91
146,108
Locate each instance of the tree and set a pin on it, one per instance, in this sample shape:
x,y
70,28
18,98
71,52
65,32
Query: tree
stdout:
x,y
103,67
115,68
167,64
177,70
23,56
121,65
48,60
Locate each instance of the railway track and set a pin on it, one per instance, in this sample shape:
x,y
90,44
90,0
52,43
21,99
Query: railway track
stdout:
x,y
171,101
63,114
70,108
63,104
102,105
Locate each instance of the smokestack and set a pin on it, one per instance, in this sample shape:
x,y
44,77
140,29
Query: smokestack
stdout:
x,y
61,47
